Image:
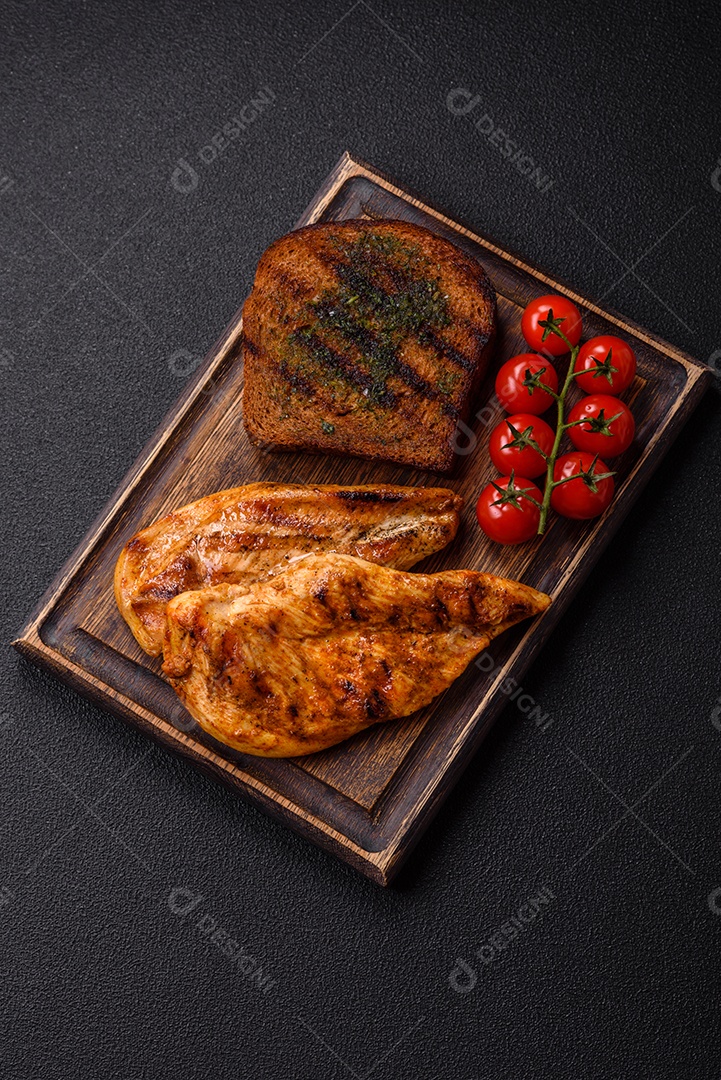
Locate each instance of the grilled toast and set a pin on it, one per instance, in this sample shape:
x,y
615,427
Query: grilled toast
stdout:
x,y
365,338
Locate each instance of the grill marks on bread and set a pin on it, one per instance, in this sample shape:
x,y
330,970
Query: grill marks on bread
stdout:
x,y
375,349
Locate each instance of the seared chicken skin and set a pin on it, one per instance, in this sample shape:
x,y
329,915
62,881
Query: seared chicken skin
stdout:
x,y
300,661
247,533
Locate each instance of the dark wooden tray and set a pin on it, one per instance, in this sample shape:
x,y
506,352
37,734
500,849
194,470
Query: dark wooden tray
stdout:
x,y
367,800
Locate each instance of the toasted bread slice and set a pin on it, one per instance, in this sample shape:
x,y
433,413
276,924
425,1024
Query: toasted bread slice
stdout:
x,y
365,338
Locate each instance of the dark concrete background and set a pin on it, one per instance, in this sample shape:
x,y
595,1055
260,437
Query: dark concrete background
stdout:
x,y
108,271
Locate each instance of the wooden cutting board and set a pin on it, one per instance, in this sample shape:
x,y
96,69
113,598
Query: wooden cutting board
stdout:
x,y
369,799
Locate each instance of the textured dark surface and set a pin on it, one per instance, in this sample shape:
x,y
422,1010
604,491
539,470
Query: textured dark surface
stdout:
x,y
618,975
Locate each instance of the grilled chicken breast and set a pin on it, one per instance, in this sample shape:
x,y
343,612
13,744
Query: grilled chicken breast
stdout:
x,y
366,338
333,644
246,533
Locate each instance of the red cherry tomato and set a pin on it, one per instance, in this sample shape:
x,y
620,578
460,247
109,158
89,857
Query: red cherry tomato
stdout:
x,y
585,496
505,514
565,314
511,445
610,364
520,382
608,428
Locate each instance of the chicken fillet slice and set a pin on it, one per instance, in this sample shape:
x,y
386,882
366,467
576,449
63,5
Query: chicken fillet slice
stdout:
x,y
305,659
247,533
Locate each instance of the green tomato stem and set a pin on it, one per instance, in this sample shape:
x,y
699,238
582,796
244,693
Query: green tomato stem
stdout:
x,y
560,429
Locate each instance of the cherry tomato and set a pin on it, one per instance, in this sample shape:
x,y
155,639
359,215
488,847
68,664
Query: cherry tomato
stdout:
x,y
589,493
505,514
511,444
563,312
609,425
520,382
610,364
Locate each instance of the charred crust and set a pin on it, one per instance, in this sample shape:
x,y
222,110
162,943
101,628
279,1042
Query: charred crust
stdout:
x,y
249,345
374,705
297,381
468,363
380,496
440,610
347,318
